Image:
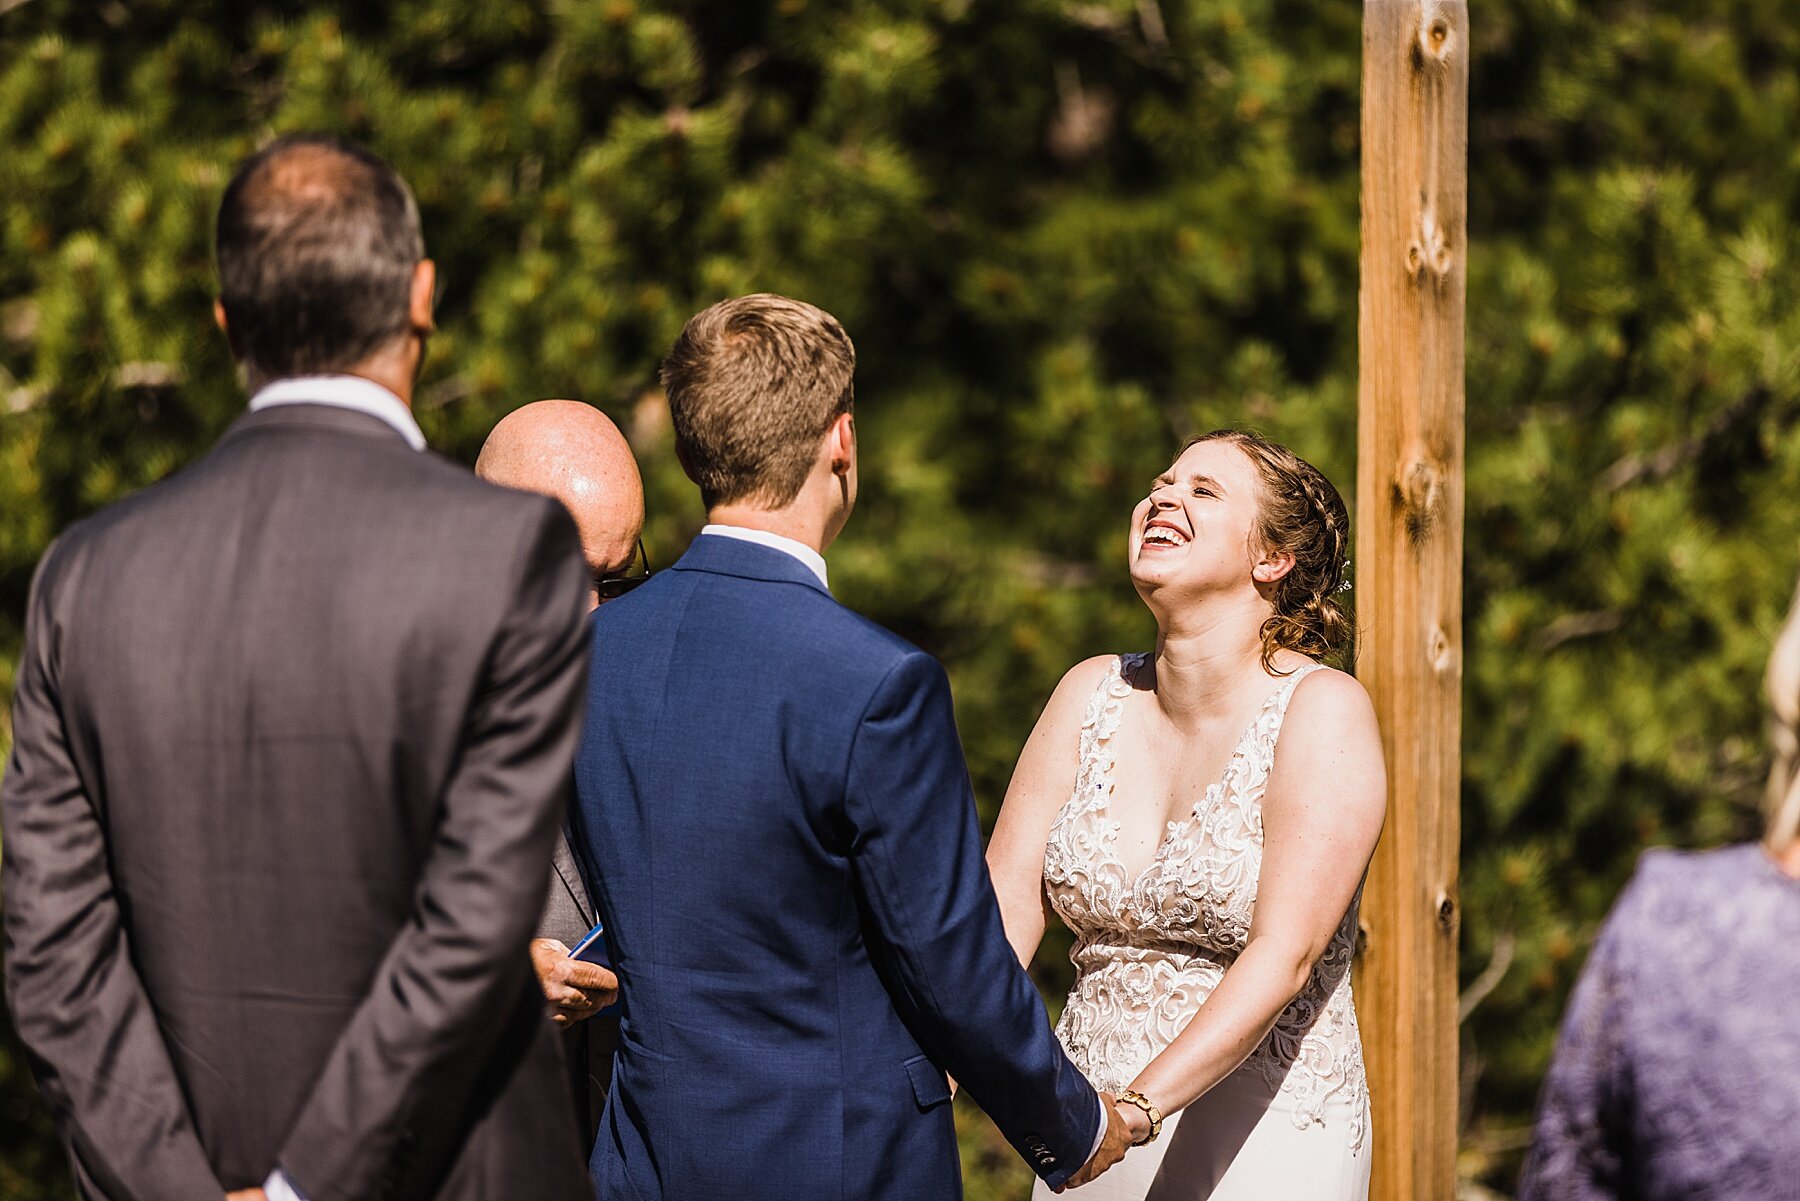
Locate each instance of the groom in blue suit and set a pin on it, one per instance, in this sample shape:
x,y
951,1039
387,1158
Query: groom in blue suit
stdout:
x,y
775,819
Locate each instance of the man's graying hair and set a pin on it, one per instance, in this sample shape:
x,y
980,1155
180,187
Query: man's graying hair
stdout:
x,y
753,384
316,244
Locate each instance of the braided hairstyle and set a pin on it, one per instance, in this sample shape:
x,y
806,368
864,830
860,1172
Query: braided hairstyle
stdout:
x,y
1784,734
1301,514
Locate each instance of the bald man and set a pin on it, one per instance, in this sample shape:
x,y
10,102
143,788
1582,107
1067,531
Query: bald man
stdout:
x,y
572,452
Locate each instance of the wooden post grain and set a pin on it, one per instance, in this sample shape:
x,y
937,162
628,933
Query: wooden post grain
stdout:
x,y
1409,572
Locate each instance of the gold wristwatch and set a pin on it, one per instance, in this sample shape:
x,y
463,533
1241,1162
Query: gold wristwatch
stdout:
x,y
1131,1097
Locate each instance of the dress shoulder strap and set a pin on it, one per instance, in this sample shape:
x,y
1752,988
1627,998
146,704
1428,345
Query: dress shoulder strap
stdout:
x,y
1268,727
1107,704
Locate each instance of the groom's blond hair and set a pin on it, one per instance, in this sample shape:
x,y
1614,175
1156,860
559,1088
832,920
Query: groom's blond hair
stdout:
x,y
753,384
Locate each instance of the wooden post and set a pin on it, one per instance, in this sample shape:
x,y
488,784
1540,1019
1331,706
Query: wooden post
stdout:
x,y
1409,572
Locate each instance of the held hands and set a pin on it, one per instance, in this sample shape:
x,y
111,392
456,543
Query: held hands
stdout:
x,y
1119,1137
1137,1122
576,990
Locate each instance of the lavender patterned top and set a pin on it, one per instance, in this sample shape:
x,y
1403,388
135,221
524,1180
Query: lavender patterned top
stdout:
x,y
1677,1073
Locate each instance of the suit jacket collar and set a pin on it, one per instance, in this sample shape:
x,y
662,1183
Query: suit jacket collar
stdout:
x,y
318,418
746,560
345,392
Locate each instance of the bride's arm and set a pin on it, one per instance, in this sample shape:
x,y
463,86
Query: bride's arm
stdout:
x,y
1322,813
1041,782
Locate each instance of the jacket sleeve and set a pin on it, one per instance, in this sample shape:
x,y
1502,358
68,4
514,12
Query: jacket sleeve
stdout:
x,y
396,1095
1580,1140
918,865
81,1010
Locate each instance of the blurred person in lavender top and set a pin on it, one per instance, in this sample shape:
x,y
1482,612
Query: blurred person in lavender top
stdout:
x,y
1677,1073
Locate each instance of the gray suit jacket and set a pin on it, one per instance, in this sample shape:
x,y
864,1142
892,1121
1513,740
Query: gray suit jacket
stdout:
x,y
292,737
588,1045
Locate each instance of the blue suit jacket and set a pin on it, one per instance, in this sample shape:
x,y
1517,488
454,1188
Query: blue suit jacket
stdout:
x,y
775,818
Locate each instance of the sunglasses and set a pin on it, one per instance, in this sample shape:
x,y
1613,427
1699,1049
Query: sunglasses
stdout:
x,y
612,587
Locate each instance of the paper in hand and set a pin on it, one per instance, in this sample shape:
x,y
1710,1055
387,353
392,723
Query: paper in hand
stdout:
x,y
591,948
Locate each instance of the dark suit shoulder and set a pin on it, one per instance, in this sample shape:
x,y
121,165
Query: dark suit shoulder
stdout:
x,y
445,481
368,494
883,645
820,635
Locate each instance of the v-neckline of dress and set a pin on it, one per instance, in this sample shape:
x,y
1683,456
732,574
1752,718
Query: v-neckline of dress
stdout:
x,y
1208,800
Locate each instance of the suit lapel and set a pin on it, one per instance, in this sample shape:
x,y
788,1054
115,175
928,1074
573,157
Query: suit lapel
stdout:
x,y
564,862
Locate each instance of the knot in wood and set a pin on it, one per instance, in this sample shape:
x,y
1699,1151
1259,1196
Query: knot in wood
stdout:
x,y
1429,248
1418,494
1439,651
1446,913
1437,37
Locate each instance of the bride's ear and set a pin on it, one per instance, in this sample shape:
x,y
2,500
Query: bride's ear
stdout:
x,y
1272,566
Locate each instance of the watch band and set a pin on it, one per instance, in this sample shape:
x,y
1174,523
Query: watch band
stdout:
x,y
1133,1097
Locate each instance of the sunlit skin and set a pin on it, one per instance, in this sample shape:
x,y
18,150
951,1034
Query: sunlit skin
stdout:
x,y
821,509
572,452
1196,559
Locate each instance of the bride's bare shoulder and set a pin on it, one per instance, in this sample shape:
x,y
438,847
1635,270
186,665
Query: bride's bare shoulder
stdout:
x,y
1329,698
1067,706
1087,674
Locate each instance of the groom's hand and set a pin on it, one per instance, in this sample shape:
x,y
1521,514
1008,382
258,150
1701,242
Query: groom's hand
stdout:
x,y
575,989
1112,1147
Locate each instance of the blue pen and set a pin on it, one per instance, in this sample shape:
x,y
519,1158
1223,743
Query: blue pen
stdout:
x,y
590,949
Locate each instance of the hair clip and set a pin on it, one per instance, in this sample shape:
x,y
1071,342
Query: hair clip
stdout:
x,y
1344,584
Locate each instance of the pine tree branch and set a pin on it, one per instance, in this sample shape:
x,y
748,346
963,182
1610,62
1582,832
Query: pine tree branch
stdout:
x,y
1640,469
21,399
1571,626
1048,572
1505,946
447,391
1150,20
149,375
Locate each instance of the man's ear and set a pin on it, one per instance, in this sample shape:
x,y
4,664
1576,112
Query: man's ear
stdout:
x,y
224,324
423,298
681,457
840,443
1272,566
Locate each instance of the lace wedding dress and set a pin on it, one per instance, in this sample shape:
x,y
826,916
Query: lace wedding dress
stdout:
x,y
1290,1124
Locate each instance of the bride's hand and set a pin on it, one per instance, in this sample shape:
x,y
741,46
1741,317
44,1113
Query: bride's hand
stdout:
x,y
1136,1121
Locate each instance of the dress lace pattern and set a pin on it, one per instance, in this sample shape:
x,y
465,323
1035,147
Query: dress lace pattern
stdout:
x,y
1149,951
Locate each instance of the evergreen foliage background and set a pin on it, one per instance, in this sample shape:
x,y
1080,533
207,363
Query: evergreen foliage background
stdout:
x,y
1064,236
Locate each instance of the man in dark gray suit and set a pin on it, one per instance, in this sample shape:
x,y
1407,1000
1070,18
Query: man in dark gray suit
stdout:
x,y
573,452
292,732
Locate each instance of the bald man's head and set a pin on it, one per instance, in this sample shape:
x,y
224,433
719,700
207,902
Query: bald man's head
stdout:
x,y
573,452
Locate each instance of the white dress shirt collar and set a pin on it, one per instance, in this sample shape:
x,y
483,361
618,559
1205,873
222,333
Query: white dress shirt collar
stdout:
x,y
810,558
343,392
